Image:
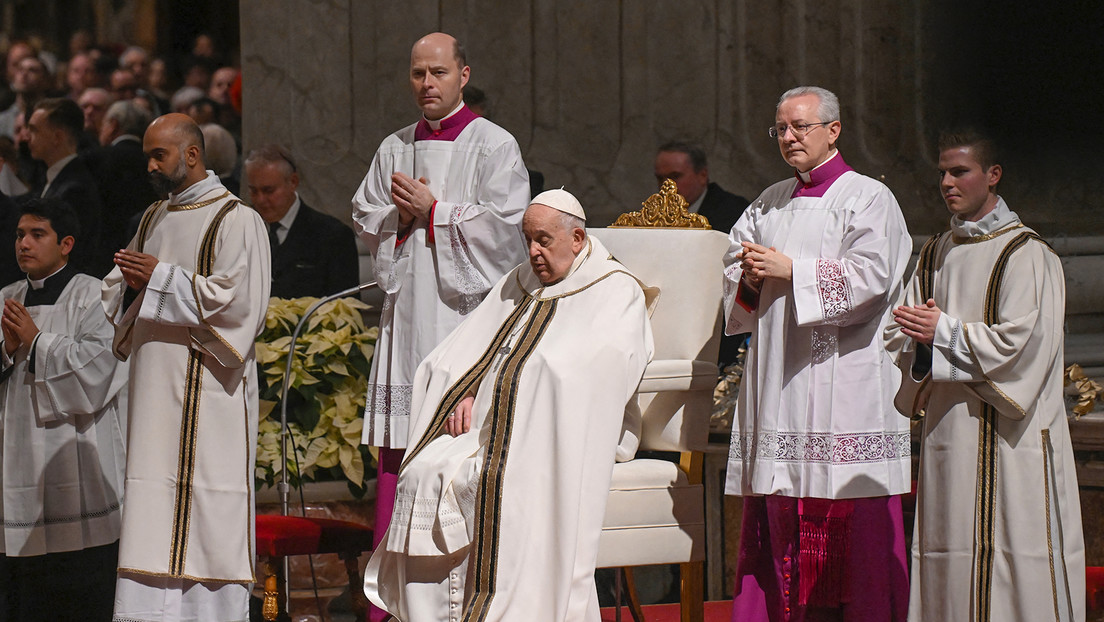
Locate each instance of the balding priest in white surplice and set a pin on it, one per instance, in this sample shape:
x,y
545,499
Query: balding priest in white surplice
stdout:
x,y
518,417
440,210
818,452
187,298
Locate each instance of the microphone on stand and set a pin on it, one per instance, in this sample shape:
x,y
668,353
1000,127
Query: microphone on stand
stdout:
x,y
283,488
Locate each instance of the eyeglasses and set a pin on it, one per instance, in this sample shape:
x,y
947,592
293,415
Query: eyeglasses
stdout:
x,y
799,129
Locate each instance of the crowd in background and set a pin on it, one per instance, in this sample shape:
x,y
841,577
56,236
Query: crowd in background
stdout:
x,y
119,89
201,82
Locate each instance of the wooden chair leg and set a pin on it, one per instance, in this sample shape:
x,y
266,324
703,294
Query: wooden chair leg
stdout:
x,y
356,585
270,608
691,592
634,597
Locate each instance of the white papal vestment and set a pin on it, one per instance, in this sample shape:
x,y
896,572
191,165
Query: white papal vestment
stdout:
x,y
193,396
998,516
482,189
815,414
504,520
62,428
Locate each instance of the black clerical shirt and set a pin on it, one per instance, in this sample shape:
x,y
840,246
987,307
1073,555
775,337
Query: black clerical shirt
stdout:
x,y
48,294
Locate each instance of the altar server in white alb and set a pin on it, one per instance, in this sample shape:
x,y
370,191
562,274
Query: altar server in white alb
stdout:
x,y
188,298
518,418
818,452
63,430
979,340
440,210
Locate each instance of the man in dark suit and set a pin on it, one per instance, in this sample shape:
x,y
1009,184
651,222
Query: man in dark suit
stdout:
x,y
313,254
120,168
684,164
54,130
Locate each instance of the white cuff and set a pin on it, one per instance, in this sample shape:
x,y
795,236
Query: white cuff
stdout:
x,y
169,297
951,357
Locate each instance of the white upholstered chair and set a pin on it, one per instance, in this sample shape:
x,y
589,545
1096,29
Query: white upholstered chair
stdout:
x,y
655,513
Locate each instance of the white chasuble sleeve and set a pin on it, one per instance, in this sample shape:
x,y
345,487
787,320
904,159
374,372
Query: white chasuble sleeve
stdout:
x,y
856,284
206,304
739,312
376,220
951,358
910,397
76,373
478,241
1015,354
113,299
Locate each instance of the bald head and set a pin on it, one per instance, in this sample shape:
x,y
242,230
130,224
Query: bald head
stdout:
x,y
174,148
438,73
442,40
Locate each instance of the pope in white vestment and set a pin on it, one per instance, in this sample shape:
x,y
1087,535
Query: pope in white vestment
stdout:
x,y
193,396
998,517
502,521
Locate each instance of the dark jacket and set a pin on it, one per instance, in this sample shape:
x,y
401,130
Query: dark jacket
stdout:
x,y
76,186
722,208
317,258
125,188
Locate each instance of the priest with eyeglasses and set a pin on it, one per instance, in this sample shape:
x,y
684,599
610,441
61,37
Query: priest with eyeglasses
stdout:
x,y
818,451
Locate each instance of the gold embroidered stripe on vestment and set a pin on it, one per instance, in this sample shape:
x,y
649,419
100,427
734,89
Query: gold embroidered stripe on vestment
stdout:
x,y
466,383
488,514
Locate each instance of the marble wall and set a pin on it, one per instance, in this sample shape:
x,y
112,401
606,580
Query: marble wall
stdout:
x,y
591,88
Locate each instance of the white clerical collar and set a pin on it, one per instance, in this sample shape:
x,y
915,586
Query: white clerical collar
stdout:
x,y
192,193
998,219
40,283
808,175
53,171
436,125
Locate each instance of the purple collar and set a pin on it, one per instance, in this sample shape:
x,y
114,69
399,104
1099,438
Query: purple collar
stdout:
x,y
450,127
820,178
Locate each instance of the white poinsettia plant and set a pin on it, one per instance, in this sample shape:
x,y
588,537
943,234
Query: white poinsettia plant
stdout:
x,y
328,382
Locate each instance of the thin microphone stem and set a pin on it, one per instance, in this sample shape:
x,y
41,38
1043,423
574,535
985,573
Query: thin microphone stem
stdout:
x,y
283,488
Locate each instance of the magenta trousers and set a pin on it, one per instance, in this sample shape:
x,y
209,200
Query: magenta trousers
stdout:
x,y
387,479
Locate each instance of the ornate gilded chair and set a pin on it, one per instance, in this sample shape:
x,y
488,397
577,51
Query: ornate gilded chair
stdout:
x,y
655,512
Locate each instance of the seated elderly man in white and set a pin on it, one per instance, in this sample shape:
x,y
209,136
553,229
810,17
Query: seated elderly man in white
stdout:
x,y
517,419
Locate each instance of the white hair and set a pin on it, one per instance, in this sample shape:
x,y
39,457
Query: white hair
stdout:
x,y
570,222
829,108
222,151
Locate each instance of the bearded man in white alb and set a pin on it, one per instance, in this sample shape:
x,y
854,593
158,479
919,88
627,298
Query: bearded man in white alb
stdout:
x,y
817,452
979,340
518,418
188,298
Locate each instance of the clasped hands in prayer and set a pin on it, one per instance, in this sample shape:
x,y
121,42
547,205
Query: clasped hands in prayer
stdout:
x,y
918,321
412,197
137,268
18,327
759,262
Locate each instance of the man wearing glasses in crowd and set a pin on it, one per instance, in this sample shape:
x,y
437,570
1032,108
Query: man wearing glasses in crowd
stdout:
x,y
818,452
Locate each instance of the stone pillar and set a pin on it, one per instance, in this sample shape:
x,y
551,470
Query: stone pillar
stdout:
x,y
588,89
